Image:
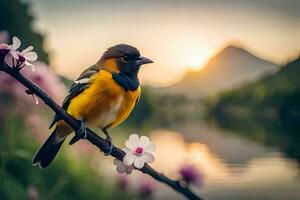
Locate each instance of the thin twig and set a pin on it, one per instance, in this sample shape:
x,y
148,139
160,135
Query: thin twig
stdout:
x,y
91,136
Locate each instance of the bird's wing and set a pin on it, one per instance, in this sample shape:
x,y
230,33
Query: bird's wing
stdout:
x,y
79,85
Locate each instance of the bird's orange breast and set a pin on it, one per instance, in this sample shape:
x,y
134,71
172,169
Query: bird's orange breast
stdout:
x,y
104,103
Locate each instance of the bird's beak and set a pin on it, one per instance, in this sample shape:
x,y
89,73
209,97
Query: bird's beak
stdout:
x,y
143,60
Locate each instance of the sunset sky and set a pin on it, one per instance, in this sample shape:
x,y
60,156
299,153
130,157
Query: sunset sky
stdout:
x,y
177,35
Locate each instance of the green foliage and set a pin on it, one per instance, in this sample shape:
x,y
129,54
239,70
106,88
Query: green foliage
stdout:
x,y
17,20
157,109
65,179
144,109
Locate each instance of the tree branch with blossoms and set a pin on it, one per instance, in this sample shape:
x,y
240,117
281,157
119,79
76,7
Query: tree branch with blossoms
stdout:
x,y
12,61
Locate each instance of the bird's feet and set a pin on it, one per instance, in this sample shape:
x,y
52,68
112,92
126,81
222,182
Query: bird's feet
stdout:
x,y
109,144
81,133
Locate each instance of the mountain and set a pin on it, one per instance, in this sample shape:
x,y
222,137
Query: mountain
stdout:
x,y
230,68
279,91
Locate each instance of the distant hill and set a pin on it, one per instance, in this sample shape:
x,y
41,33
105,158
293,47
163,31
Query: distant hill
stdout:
x,y
229,68
274,95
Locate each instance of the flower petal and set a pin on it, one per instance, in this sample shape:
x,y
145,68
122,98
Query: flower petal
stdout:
x,y
148,157
128,169
129,158
150,147
28,64
121,169
133,141
15,54
16,43
139,162
144,141
27,50
10,60
30,56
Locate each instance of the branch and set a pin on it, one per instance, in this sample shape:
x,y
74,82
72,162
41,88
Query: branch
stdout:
x,y
92,136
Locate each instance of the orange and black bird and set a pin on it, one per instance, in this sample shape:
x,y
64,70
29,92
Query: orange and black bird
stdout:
x,y
103,96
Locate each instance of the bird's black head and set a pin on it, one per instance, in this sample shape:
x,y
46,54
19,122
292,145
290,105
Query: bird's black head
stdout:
x,y
127,58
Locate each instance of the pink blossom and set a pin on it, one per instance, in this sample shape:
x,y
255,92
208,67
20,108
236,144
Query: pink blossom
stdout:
x,y
13,93
47,80
146,187
38,127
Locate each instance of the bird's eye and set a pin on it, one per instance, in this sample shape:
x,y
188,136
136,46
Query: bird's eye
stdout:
x,y
126,58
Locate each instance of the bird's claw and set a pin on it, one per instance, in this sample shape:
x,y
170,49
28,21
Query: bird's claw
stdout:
x,y
108,143
109,146
81,133
82,130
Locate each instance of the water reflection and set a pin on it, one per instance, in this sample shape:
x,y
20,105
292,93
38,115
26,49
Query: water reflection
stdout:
x,y
264,174
233,166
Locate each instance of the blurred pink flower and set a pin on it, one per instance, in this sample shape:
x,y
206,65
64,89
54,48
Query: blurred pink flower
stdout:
x,y
43,77
84,148
122,182
191,175
4,36
37,126
32,193
13,98
4,48
146,187
47,80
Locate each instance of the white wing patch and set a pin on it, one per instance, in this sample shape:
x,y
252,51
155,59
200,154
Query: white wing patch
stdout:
x,y
82,81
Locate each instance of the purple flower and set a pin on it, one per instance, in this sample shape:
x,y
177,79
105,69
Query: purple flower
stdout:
x,y
190,175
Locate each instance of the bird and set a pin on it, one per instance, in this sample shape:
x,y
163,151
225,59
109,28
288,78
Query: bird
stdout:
x,y
102,96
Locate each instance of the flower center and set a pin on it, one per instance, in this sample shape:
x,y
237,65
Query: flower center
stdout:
x,y
21,58
139,151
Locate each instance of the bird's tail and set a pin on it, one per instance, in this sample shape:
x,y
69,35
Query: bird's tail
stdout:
x,y
46,154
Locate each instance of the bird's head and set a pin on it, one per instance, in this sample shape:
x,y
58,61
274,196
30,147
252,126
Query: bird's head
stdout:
x,y
123,58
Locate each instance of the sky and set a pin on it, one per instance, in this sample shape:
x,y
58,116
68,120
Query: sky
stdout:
x,y
178,35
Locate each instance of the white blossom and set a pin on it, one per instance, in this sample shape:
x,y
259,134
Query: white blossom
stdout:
x,y
138,151
23,58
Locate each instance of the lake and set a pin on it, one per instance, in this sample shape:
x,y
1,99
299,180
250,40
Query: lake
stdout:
x,y
233,166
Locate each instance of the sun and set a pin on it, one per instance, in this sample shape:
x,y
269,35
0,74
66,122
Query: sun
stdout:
x,y
195,62
192,56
